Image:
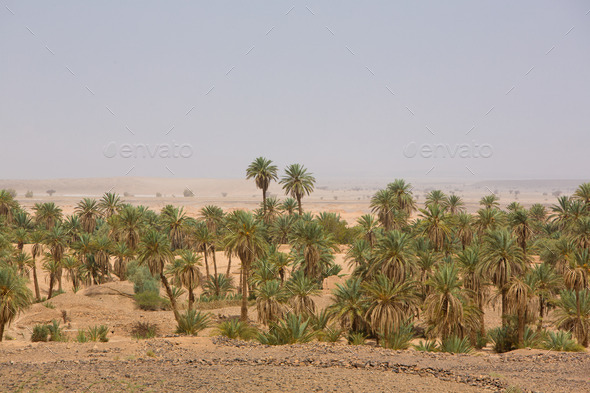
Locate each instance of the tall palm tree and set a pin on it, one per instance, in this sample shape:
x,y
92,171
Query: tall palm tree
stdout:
x,y
155,252
110,204
37,239
573,313
389,303
464,229
488,219
503,259
245,238
185,271
297,182
583,194
289,205
72,267
576,273
545,282
310,239
214,219
122,253
204,241
176,224
7,205
128,226
402,192
383,203
454,204
519,294
435,197
435,224
280,229
56,242
263,172
393,256
521,227
15,296
369,226
581,232
270,297
47,214
472,270
88,211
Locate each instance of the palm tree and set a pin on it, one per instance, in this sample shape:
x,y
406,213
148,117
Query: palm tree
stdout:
x,y
393,256
454,204
289,205
310,239
581,232
37,238
204,242
383,203
573,313
214,219
544,281
280,229
186,273
263,172
128,226
490,201
521,227
538,213
472,270
15,296
52,267
435,224
464,229
359,256
402,192
297,182
88,211
72,267
270,297
7,205
348,305
176,223
369,226
47,214
300,289
583,194
576,273
503,259
245,238
519,294
155,252
122,253
435,197
110,204
279,261
56,241
489,220
390,303
445,307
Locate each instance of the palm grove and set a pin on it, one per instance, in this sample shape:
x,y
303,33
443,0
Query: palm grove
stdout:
x,y
426,272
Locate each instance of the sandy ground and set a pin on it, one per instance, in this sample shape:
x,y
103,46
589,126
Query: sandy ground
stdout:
x,y
209,364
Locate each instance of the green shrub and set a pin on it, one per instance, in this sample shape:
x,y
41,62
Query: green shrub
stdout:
x,y
81,337
399,338
49,305
234,328
427,346
481,340
289,330
143,330
454,344
319,320
533,338
55,331
142,279
98,333
503,338
330,334
40,333
220,284
192,322
356,338
561,341
150,301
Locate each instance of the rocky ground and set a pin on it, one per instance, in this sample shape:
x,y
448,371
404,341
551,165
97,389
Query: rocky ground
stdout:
x,y
217,364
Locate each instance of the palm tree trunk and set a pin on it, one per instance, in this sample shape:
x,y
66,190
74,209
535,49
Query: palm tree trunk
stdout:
x,y
244,308
36,282
504,307
59,274
1,330
51,283
264,202
541,313
228,265
521,325
170,296
299,205
206,263
214,260
191,298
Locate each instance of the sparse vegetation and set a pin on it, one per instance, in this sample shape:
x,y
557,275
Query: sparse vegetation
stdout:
x,y
144,330
192,322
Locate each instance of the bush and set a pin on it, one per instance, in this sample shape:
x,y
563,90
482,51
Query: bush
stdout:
x,y
561,341
356,338
40,333
55,331
532,338
319,320
399,338
503,338
290,330
81,337
192,322
330,334
50,192
188,193
98,333
29,194
49,305
234,328
142,279
143,330
454,344
150,301
427,346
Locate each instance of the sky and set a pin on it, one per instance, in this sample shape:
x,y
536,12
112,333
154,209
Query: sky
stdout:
x,y
351,90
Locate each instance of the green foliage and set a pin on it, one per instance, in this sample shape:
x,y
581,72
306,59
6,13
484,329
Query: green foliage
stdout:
x,y
291,329
398,338
193,322
98,333
40,333
81,337
533,338
234,328
454,344
503,338
150,301
356,338
561,341
330,334
143,330
221,285
142,279
55,331
427,346
49,305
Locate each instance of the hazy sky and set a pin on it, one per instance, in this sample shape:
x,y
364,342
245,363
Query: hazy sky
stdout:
x,y
349,89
